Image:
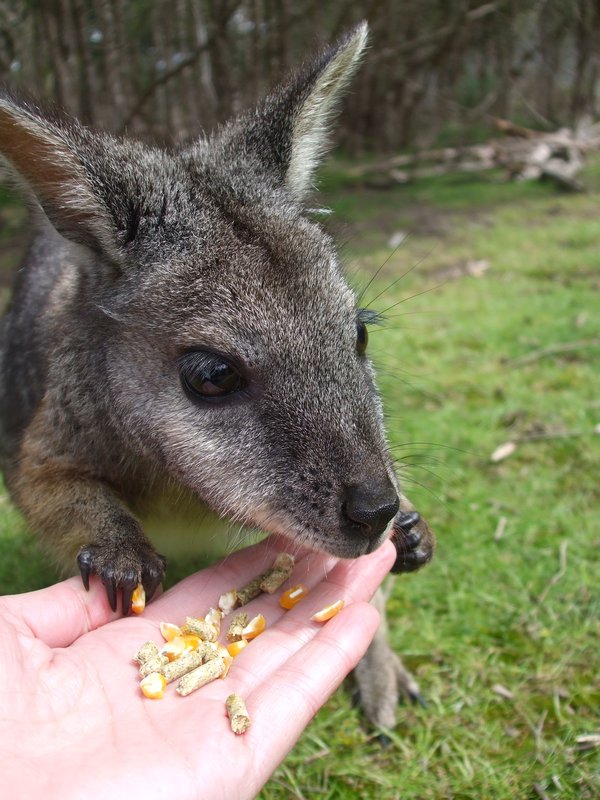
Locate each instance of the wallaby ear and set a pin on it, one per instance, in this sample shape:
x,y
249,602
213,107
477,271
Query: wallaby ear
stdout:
x,y
43,154
283,140
314,99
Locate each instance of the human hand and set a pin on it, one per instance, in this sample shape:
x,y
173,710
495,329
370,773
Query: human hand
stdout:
x,y
73,722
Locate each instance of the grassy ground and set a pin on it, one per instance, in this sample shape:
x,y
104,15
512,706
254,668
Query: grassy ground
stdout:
x,y
493,335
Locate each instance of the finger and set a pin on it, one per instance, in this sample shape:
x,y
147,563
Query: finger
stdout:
x,y
303,685
62,613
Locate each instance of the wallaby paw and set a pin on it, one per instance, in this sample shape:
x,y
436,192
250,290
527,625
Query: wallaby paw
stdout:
x,y
413,540
122,571
382,682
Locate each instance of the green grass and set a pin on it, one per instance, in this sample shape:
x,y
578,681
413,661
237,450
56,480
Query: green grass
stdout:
x,y
466,364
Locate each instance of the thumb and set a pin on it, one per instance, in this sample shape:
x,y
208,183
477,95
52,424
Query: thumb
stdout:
x,y
62,613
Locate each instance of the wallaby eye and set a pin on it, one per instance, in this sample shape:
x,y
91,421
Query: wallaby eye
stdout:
x,y
362,337
209,376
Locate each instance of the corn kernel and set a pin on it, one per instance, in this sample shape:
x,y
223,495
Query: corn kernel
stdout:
x,y
169,631
254,627
235,648
228,601
224,653
153,685
328,612
138,599
214,617
175,648
191,642
292,596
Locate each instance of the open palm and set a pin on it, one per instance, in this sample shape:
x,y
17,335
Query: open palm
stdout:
x,y
74,723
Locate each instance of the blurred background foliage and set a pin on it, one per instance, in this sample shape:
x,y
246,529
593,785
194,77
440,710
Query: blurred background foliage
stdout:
x,y
437,71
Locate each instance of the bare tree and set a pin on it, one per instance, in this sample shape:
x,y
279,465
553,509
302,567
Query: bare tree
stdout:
x,y
165,68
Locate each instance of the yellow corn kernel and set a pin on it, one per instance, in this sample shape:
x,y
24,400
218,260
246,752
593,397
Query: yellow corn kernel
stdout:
x,y
292,596
228,601
175,648
169,631
254,627
138,599
227,658
153,685
214,617
328,612
191,642
235,648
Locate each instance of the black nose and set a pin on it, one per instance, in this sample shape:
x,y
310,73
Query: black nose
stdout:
x,y
369,508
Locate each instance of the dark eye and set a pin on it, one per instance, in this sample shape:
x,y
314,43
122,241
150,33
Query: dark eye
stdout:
x,y
209,376
362,337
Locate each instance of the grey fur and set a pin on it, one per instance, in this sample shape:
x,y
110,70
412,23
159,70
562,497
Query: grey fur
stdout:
x,y
143,254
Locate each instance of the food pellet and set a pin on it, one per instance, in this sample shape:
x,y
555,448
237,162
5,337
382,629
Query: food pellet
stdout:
x,y
147,650
237,625
254,627
188,661
200,676
201,628
153,665
238,714
278,574
138,599
292,596
249,591
153,685
254,588
328,612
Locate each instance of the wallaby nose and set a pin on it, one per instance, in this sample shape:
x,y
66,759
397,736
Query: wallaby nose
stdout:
x,y
369,507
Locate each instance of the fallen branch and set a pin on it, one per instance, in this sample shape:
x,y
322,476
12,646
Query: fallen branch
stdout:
x,y
552,350
524,154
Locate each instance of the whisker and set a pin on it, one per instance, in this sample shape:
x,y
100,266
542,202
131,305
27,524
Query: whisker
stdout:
x,y
412,297
387,260
407,467
408,271
435,444
427,489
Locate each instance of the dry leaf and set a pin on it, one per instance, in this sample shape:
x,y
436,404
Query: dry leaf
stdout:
x,y
504,451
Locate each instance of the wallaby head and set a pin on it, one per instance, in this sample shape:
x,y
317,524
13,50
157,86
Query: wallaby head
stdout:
x,y
191,323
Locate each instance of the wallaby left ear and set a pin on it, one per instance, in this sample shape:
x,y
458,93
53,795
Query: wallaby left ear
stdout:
x,y
315,96
286,136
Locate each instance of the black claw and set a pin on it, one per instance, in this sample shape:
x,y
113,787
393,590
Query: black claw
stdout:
x,y
384,740
85,568
407,520
416,697
111,592
152,582
410,562
412,539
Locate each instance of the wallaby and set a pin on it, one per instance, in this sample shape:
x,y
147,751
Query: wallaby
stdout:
x,y
182,348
